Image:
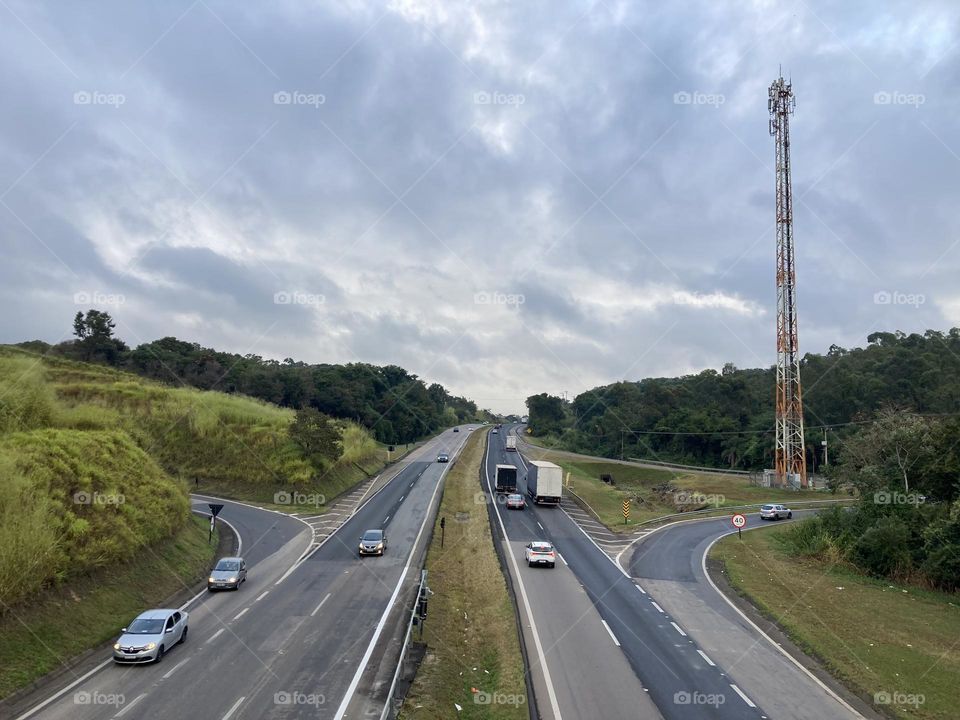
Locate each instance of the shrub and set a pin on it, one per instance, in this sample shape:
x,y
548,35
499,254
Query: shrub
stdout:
x,y
884,549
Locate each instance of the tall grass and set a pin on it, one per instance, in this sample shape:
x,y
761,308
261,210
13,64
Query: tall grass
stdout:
x,y
26,401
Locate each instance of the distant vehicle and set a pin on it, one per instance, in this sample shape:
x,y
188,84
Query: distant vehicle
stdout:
x,y
540,553
373,542
499,425
456,429
544,482
516,502
505,480
494,431
150,636
228,573
443,457
775,512
511,443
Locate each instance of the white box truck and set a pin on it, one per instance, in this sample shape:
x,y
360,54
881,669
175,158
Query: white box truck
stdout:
x,y
544,482
511,443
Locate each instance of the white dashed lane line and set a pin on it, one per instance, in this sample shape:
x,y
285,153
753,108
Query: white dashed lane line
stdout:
x,y
232,710
612,636
176,667
261,596
240,614
659,609
740,692
215,636
678,628
709,662
129,707
317,608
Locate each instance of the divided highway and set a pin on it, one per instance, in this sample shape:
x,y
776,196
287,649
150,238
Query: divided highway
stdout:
x,y
295,640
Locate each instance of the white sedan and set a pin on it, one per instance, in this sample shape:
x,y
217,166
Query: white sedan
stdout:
x,y
540,552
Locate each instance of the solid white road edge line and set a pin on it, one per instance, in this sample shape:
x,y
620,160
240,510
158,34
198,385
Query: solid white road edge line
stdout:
x,y
37,708
823,686
740,692
562,559
341,711
233,709
133,702
523,592
610,632
317,608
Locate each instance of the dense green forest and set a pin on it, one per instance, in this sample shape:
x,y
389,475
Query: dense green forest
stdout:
x,y
726,419
395,405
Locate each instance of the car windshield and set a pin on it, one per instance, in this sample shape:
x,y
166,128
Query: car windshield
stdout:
x,y
146,626
542,547
515,497
372,536
767,507
230,565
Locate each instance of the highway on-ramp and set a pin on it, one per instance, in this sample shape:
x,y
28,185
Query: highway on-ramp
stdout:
x,y
295,639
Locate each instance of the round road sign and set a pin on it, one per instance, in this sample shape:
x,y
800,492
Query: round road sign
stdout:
x,y
738,520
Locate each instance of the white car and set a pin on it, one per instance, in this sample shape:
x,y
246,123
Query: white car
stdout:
x,y
540,552
775,512
150,635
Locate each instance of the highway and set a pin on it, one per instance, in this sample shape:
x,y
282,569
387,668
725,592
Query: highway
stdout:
x,y
296,639
606,645
670,566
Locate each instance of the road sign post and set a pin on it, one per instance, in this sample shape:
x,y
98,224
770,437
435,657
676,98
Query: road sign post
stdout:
x,y
214,511
739,520
443,524
626,511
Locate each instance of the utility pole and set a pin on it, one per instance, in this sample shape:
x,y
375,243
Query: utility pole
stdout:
x,y
791,458
826,460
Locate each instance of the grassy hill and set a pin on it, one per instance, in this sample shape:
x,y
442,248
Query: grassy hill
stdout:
x,y
97,463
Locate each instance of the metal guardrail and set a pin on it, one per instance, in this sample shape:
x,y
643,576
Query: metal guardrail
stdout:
x,y
389,712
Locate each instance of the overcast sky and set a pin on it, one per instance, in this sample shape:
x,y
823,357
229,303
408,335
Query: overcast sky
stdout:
x,y
504,197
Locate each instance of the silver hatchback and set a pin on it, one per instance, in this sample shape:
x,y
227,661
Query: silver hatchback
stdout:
x,y
228,573
775,512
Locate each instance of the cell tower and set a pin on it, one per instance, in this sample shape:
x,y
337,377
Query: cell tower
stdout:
x,y
791,461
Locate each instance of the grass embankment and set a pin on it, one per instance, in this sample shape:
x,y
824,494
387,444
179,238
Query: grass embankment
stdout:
x,y
86,612
883,641
655,492
471,637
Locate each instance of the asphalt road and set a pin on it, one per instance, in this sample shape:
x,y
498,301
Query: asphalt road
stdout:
x,y
293,641
669,565
620,626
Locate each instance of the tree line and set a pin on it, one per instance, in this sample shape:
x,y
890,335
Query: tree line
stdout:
x,y
397,406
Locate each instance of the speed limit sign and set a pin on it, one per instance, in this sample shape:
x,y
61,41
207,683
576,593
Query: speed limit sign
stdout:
x,y
739,520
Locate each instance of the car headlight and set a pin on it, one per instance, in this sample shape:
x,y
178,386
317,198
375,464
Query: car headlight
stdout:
x,y
151,646
211,579
116,646
380,546
233,579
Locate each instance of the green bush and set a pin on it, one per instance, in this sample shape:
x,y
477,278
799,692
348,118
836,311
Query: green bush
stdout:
x,y
884,549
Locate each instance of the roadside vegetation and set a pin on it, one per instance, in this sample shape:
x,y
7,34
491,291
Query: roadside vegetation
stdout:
x,y
89,610
473,656
655,492
893,644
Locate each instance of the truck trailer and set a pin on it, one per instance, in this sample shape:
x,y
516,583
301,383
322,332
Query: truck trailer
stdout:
x,y
506,479
544,482
511,443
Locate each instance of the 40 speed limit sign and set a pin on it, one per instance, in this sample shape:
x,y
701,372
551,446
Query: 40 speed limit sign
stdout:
x,y
739,520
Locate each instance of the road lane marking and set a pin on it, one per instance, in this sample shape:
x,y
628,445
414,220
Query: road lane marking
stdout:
x,y
740,692
402,497
387,520
240,614
659,609
232,710
133,702
317,608
411,484
37,708
562,559
176,667
641,589
678,628
710,662
541,526
214,636
262,595
612,636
